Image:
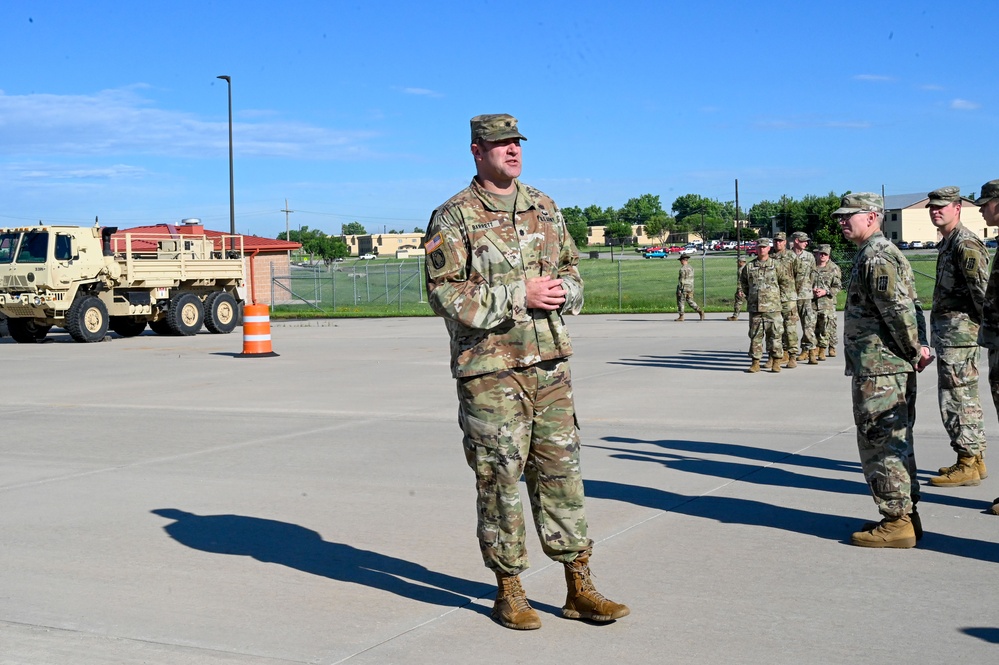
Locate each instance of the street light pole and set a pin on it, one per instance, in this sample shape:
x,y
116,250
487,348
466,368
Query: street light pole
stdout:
x,y
232,192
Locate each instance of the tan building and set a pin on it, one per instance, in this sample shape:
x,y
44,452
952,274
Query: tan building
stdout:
x,y
385,244
596,235
907,219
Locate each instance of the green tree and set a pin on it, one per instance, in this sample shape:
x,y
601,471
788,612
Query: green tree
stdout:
x,y
618,230
328,248
659,226
354,229
417,229
575,224
639,210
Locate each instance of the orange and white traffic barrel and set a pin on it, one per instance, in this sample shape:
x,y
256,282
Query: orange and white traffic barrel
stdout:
x,y
256,332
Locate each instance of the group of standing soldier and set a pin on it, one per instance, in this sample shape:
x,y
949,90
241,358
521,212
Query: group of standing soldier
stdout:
x,y
782,288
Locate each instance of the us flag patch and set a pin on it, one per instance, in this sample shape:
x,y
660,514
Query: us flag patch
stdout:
x,y
434,243
881,283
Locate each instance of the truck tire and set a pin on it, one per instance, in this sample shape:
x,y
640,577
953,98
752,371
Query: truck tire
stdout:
x,y
160,327
26,331
127,326
87,319
221,313
186,314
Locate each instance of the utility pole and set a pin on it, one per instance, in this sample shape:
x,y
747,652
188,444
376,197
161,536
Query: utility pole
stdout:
x,y
287,225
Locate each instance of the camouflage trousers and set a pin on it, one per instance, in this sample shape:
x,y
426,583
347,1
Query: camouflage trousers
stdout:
x,y
522,421
957,392
740,302
769,325
806,313
789,311
884,410
685,298
825,329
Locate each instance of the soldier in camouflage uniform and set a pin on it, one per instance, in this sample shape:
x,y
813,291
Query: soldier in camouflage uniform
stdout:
x,y
804,280
884,344
788,263
958,300
762,281
740,296
501,271
988,332
685,288
828,283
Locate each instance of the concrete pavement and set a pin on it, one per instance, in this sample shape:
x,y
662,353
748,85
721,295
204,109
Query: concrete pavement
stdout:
x,y
164,502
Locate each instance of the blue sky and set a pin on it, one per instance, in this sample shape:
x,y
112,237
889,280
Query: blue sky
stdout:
x,y
359,111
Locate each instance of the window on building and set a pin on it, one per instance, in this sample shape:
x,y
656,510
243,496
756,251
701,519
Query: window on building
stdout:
x,y
894,235
894,217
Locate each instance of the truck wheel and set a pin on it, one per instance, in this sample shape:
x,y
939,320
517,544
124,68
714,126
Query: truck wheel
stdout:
x,y
186,314
127,326
221,312
87,319
26,331
160,327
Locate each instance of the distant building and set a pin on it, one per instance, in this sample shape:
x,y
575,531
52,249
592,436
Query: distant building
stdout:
x,y
908,219
263,256
384,244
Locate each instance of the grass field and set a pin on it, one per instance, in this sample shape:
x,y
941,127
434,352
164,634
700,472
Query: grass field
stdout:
x,y
393,288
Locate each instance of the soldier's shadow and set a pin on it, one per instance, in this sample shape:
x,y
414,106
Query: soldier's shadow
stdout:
x,y
697,359
294,546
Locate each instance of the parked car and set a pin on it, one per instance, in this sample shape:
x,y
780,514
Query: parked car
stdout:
x,y
657,253
730,244
368,257
991,243
903,245
673,249
916,244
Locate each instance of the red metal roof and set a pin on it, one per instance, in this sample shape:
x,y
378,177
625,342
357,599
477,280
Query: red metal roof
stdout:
x,y
250,243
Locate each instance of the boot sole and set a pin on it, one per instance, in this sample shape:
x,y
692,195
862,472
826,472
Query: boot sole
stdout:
x,y
943,470
598,618
516,626
966,483
902,544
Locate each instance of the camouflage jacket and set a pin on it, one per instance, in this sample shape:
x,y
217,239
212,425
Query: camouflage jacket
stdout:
x,y
763,282
959,295
829,278
739,272
789,264
988,333
685,280
478,260
804,277
884,327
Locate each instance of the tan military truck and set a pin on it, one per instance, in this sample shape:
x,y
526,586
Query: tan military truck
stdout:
x,y
86,281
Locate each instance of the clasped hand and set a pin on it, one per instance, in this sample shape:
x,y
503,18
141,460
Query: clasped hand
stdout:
x,y
545,293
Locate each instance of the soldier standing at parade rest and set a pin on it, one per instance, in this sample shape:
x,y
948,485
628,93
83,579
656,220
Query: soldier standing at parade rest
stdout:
x,y
804,280
762,281
685,288
502,270
958,299
828,283
885,344
788,262
988,332
740,296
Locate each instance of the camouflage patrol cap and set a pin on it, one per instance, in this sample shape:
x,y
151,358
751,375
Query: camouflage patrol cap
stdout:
x,y
860,202
683,255
495,127
823,249
990,190
764,242
741,259
944,196
799,235
780,235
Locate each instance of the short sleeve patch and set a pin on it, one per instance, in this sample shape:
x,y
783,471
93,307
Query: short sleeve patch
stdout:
x,y
884,279
437,259
970,264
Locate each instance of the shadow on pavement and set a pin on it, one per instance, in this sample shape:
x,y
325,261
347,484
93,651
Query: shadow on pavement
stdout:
x,y
699,359
984,634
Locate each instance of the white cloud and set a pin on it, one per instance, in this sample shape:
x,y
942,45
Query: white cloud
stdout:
x,y
122,122
964,105
874,78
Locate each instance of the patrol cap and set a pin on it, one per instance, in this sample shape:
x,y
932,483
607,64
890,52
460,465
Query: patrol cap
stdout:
x,y
683,255
495,127
990,190
780,235
764,242
944,196
799,235
859,202
823,249
741,259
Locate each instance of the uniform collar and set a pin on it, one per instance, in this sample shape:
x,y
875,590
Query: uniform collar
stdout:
x,y
491,202
949,240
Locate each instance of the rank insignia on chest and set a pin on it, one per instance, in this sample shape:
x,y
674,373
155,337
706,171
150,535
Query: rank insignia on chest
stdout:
x,y
881,283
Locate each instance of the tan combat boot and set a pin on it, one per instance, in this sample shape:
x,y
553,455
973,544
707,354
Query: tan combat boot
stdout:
x,y
965,472
813,357
679,318
511,608
917,524
775,365
583,601
898,533
754,367
832,352
792,362
701,312
983,473
803,355
995,507
733,318
822,354
784,358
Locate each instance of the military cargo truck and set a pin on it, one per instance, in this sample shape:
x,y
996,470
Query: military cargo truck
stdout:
x,y
86,281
